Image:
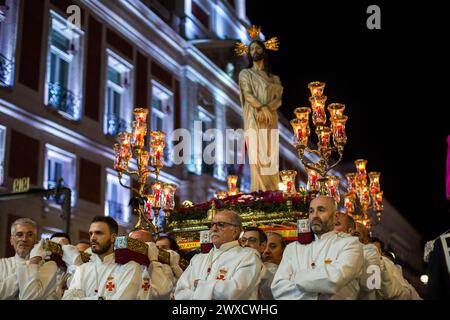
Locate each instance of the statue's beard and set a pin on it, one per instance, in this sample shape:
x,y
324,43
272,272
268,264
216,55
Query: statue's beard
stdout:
x,y
258,57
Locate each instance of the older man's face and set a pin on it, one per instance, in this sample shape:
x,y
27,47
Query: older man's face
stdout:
x,y
322,212
341,225
274,250
23,239
223,229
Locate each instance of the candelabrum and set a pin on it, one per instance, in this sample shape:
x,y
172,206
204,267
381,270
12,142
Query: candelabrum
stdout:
x,y
330,139
363,193
156,195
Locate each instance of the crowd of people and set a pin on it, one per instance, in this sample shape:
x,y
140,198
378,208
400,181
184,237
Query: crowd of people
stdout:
x,y
342,262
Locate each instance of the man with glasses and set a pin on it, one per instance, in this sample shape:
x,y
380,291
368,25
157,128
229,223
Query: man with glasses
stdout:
x,y
27,276
228,271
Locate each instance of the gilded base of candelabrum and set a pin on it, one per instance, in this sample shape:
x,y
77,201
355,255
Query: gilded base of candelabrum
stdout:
x,y
138,207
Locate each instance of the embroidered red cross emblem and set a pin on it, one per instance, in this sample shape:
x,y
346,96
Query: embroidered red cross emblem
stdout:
x,y
221,277
145,286
110,286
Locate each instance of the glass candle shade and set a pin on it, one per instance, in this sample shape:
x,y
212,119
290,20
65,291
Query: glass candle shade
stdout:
x,y
333,188
302,113
148,205
319,116
349,203
364,197
124,139
157,153
312,184
122,156
169,196
351,182
233,191
316,88
139,131
361,169
323,134
378,202
374,178
301,132
140,114
336,110
232,181
288,180
338,129
157,194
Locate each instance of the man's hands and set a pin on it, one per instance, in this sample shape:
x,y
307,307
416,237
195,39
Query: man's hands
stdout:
x,y
264,116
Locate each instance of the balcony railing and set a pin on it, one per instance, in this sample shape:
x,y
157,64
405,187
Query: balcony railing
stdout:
x,y
116,210
115,124
6,67
63,100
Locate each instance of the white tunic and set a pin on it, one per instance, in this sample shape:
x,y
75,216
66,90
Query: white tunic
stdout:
x,y
72,258
393,285
269,270
327,268
234,273
22,280
105,279
157,282
371,258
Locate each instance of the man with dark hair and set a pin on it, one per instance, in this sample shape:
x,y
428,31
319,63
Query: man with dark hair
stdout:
x,y
254,237
228,271
326,268
167,243
27,276
102,278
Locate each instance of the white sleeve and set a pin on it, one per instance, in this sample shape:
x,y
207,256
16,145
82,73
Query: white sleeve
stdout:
x,y
162,280
71,255
241,284
393,286
330,278
184,289
371,258
8,283
76,291
36,282
283,287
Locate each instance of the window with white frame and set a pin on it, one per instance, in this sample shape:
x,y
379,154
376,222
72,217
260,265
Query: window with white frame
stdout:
x,y
207,120
8,36
117,198
60,164
2,153
118,94
162,116
64,67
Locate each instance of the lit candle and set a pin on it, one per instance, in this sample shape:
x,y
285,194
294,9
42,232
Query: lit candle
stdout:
x,y
316,88
140,114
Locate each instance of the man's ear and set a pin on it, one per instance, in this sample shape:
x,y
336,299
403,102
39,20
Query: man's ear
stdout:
x,y
11,241
113,238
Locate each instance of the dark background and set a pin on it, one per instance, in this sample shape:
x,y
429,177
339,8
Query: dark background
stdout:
x,y
393,81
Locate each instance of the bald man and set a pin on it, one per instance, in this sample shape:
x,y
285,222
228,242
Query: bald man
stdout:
x,y
344,223
326,268
228,271
158,279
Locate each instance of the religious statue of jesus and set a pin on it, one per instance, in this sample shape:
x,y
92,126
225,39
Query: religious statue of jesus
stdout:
x,y
260,95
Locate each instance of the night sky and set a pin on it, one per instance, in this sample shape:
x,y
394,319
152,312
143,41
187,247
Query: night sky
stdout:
x,y
393,81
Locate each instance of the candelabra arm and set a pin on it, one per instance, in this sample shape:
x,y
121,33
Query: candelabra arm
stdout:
x,y
125,186
337,162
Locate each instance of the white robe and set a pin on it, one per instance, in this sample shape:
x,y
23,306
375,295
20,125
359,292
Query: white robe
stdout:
x,y
372,257
393,285
235,273
72,258
24,281
269,270
159,285
106,279
338,259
